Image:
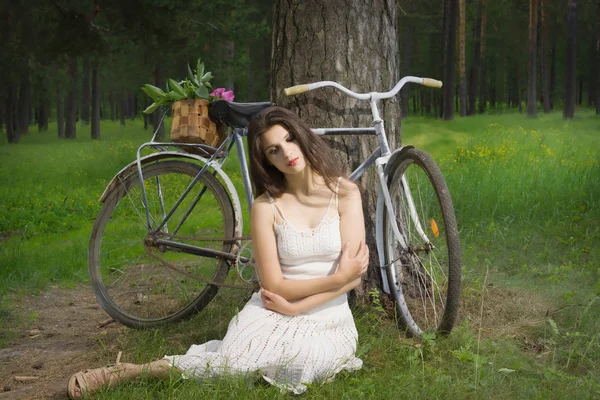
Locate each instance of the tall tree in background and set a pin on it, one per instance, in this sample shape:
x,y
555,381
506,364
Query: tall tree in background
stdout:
x,y
482,85
475,66
85,91
597,77
532,66
407,56
544,57
71,101
462,91
335,40
449,58
95,108
570,77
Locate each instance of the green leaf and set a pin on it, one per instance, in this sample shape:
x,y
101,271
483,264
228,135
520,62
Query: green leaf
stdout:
x,y
176,87
151,108
191,76
199,74
202,92
154,92
206,77
176,96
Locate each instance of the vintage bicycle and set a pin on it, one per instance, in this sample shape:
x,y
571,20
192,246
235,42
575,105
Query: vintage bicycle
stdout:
x,y
171,225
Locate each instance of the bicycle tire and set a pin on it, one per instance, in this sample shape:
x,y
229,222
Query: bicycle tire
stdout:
x,y
424,278
131,284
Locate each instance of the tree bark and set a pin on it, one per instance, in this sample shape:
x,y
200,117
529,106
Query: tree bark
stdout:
x,y
482,86
24,104
598,63
95,108
532,66
333,40
43,113
122,106
449,59
12,133
463,67
85,91
407,57
474,70
71,102
60,116
544,58
570,76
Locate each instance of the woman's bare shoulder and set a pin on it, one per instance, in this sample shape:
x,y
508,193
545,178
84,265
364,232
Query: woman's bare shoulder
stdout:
x,y
261,208
348,189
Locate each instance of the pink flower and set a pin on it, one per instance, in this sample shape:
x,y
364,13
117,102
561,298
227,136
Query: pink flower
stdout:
x,y
222,93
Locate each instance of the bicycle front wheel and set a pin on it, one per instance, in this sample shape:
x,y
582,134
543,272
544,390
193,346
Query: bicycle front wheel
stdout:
x,y
141,283
424,262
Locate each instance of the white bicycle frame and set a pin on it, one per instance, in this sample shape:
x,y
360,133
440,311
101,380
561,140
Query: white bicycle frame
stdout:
x,y
380,157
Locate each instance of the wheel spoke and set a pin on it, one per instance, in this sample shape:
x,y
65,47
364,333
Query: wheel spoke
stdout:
x,y
138,290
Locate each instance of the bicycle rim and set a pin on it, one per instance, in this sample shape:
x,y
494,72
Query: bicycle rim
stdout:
x,y
142,284
425,272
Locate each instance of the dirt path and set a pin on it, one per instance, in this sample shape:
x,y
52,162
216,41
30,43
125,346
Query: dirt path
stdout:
x,y
56,335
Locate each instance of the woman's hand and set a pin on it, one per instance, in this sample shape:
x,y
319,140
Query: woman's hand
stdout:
x,y
352,268
275,302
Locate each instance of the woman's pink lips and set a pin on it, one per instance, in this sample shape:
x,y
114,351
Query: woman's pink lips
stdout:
x,y
293,162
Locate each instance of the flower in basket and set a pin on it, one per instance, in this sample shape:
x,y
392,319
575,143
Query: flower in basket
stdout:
x,y
222,93
195,86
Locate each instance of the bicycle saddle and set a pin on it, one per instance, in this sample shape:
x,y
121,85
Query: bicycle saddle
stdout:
x,y
235,114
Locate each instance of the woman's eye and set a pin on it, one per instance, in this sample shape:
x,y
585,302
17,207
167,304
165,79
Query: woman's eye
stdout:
x,y
273,151
290,139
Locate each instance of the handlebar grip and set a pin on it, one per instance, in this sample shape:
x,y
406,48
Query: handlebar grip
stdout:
x,y
295,90
432,83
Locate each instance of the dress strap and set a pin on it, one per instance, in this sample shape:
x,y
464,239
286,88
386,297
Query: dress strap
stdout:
x,y
334,195
274,208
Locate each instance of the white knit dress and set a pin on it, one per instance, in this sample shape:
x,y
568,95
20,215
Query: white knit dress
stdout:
x,y
286,351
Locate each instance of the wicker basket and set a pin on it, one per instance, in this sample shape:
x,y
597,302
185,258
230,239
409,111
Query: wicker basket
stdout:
x,y
191,124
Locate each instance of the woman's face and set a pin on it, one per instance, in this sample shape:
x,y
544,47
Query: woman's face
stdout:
x,y
282,150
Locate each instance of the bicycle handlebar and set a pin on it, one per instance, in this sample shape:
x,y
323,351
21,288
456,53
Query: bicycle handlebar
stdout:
x,y
363,96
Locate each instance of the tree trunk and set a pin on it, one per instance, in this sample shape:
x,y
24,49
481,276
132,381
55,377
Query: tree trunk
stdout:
x,y
11,113
60,116
43,107
159,128
598,63
474,70
85,92
407,57
122,106
482,87
532,70
544,58
2,109
570,75
463,67
24,104
71,102
113,105
95,117
316,40
449,58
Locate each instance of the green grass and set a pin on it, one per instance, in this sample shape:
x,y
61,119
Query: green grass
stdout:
x,y
527,197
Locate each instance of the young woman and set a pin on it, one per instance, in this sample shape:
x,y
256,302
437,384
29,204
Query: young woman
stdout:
x,y
308,240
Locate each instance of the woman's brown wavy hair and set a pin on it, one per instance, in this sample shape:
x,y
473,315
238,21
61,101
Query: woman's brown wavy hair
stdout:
x,y
267,178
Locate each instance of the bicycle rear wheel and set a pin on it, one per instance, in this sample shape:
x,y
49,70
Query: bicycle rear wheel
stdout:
x,y
142,284
424,265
